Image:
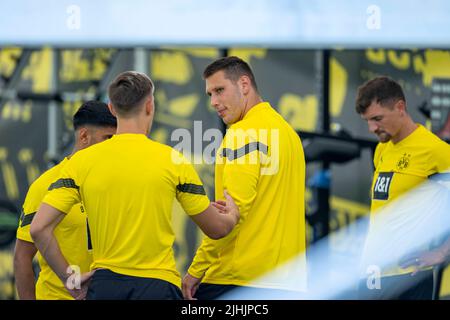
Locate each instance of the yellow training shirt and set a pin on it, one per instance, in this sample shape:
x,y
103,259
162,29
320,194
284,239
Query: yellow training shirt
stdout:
x,y
400,168
71,234
128,184
261,164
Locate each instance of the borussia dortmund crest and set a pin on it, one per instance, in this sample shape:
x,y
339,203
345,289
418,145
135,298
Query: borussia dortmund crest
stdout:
x,y
403,163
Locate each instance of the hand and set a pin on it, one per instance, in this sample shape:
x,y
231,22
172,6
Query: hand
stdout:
x,y
190,286
78,290
424,260
228,206
220,205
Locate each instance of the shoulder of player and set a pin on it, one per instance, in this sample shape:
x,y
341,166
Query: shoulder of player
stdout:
x,y
161,148
90,152
380,148
46,178
432,142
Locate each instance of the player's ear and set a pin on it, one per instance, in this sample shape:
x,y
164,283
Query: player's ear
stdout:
x,y
400,105
83,136
245,84
149,106
111,109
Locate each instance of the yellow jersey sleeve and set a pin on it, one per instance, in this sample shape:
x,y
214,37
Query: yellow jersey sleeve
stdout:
x,y
208,252
204,256
30,206
23,230
64,192
239,163
442,158
189,190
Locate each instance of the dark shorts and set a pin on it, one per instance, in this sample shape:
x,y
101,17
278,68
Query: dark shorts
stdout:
x,y
401,287
207,291
108,285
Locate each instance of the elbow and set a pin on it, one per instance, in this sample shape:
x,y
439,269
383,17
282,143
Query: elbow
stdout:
x,y
36,231
226,227
221,232
216,235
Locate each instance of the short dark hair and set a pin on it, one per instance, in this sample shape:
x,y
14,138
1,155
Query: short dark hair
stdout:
x,y
233,67
95,113
128,90
382,90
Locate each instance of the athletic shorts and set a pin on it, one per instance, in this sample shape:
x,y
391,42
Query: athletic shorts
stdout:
x,y
108,285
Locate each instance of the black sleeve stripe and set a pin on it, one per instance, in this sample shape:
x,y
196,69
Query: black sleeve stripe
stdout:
x,y
242,151
63,183
191,188
89,244
27,219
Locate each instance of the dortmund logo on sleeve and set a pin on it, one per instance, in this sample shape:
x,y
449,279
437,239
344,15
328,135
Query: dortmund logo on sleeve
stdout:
x,y
403,163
